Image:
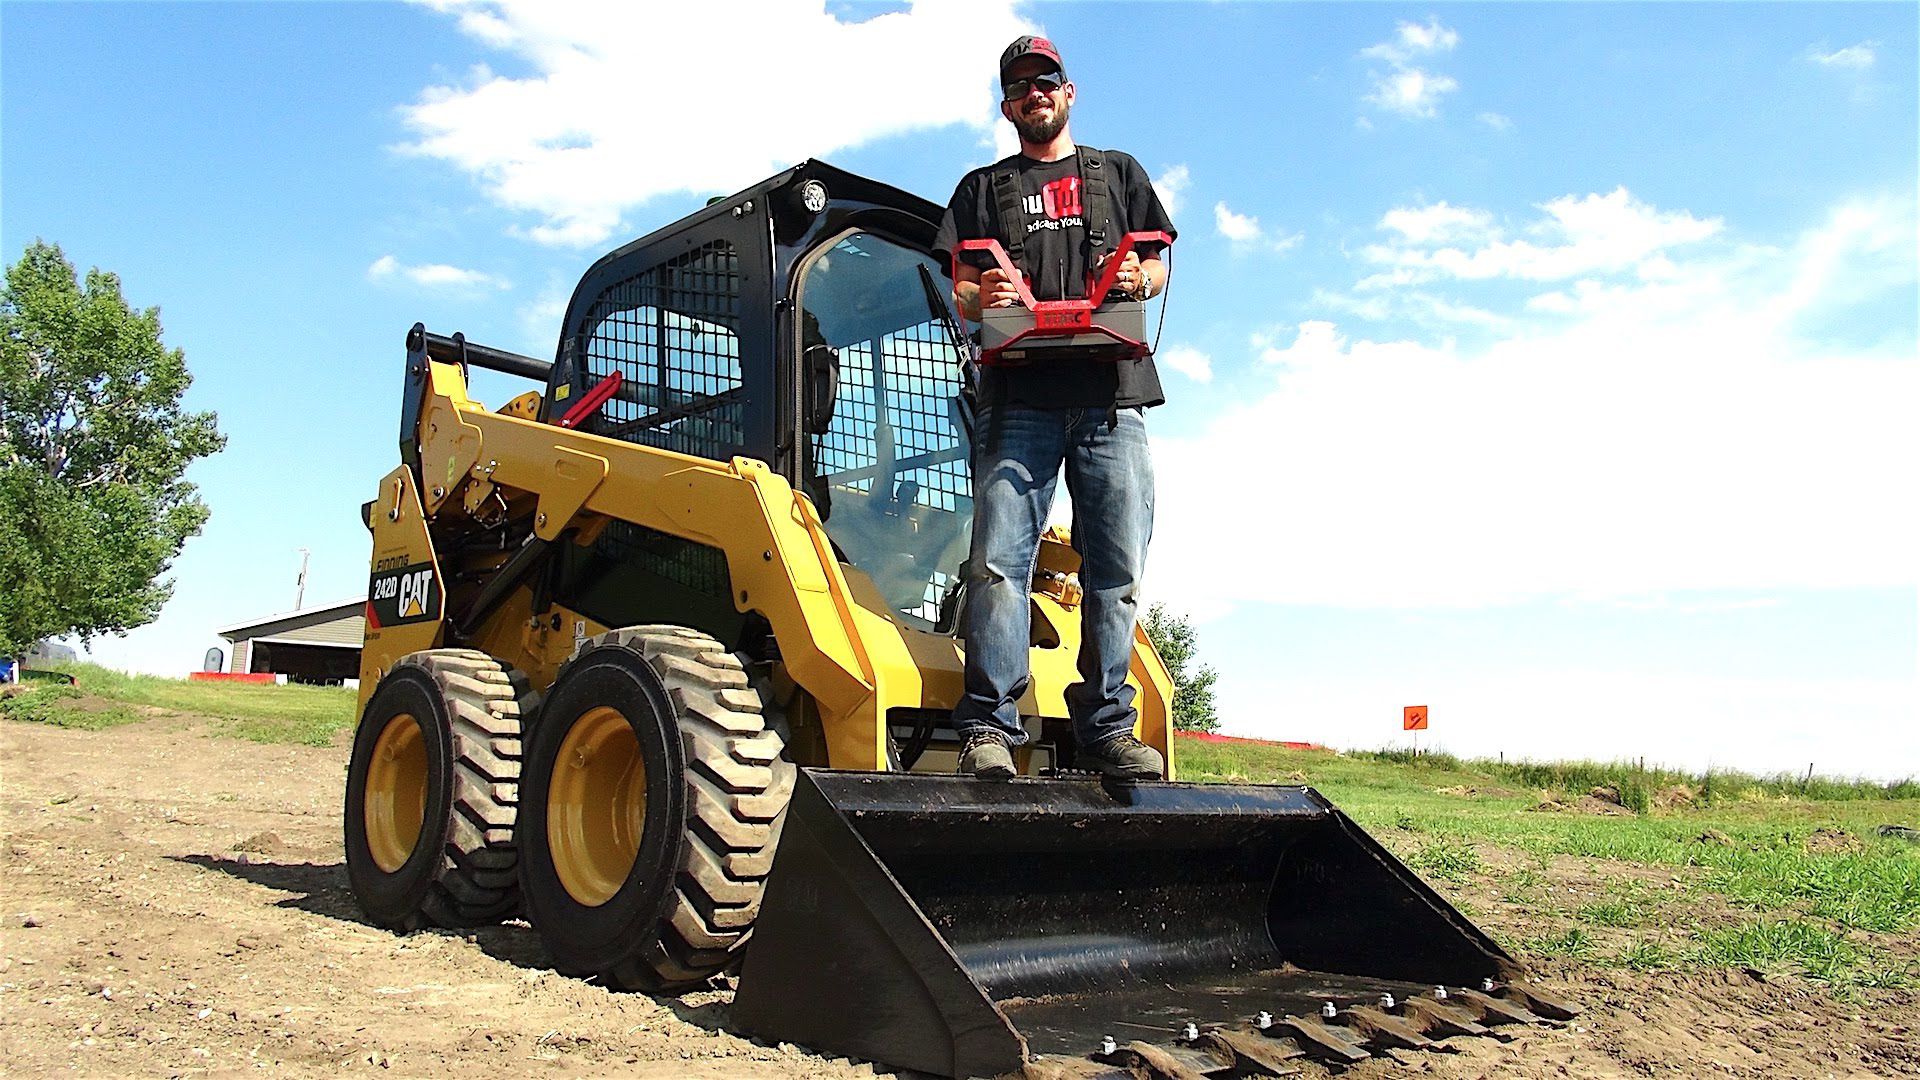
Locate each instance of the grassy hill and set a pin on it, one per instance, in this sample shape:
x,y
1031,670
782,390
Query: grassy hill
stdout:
x,y
104,698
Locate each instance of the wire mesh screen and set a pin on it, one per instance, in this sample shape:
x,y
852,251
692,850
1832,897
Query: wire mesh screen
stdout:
x,y
895,458
672,334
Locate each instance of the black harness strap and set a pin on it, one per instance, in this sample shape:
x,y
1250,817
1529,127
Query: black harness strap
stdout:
x,y
1013,216
1096,199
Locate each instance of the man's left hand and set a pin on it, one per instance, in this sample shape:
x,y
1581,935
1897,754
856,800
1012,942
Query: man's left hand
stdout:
x,y
1131,274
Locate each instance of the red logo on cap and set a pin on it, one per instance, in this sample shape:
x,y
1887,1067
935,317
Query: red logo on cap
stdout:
x,y
1042,43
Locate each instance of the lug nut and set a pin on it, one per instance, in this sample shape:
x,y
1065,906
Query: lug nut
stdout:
x,y
1190,1032
1264,1020
1328,1010
1107,1045
1386,1001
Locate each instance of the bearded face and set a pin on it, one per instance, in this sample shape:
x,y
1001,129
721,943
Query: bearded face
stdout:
x,y
1041,115
1042,123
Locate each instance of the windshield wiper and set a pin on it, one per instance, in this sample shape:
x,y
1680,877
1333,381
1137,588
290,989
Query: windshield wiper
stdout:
x,y
937,306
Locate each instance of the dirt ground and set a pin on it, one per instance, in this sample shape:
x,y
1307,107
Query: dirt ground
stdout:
x,y
175,904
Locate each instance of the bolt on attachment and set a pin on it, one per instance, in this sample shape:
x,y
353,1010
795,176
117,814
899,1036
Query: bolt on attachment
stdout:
x,y
1264,1020
1440,993
1107,1045
1328,1010
1486,986
1190,1031
1386,1001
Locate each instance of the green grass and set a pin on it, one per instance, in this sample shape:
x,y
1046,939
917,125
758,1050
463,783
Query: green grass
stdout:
x,y
1780,944
1615,912
308,715
1450,859
1574,944
63,707
1647,956
1638,784
1743,880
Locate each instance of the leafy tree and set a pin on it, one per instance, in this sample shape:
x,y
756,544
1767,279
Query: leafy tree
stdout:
x,y
93,446
1173,638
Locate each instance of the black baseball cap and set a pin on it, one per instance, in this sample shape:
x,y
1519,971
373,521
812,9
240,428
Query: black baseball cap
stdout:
x,y
1027,45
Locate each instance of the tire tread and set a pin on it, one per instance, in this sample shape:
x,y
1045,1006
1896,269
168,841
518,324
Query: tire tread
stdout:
x,y
477,880
738,782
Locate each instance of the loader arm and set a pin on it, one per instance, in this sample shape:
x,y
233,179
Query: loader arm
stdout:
x,y
778,556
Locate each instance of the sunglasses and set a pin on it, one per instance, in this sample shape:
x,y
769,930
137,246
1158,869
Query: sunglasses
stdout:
x,y
1020,88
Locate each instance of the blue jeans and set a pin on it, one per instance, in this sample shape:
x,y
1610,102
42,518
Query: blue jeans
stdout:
x,y
1018,454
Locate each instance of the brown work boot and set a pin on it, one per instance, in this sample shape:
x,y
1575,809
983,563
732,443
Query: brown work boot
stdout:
x,y
1123,757
985,756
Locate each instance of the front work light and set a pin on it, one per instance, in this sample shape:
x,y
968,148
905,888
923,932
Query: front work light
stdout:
x,y
813,196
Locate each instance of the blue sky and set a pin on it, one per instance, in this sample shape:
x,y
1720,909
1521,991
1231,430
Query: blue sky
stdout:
x,y
1548,364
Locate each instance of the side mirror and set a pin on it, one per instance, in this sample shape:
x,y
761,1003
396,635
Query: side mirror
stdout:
x,y
820,376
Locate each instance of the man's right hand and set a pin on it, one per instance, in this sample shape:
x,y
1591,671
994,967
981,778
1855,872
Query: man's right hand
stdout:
x,y
997,290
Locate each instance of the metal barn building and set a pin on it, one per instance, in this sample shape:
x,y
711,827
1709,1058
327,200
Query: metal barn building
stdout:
x,y
316,644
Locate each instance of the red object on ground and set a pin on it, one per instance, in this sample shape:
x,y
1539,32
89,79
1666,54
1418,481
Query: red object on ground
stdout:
x,y
237,676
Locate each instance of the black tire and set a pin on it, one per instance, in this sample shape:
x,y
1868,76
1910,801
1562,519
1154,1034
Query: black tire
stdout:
x,y
671,707
458,765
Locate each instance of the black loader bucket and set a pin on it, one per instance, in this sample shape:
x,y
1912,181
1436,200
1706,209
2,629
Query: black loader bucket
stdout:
x,y
1067,927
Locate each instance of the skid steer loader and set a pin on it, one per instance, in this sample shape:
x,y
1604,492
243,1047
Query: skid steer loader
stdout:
x,y
659,656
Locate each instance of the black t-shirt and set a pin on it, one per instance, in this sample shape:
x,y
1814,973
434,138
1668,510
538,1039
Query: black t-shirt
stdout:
x,y
1055,262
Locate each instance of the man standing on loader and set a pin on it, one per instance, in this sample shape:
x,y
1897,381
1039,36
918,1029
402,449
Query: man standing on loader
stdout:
x,y
1057,209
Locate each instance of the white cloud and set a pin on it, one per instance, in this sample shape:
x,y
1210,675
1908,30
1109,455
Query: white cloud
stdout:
x,y
1411,40
1853,57
540,317
1425,224
1188,361
627,102
1004,140
1578,235
1318,342
1677,423
1239,228
1170,185
1406,89
1411,92
1245,231
433,275
1496,121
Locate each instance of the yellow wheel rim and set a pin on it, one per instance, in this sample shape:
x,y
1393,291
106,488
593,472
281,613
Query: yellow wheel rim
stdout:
x,y
597,806
396,801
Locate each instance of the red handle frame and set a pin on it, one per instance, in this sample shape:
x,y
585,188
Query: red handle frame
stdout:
x,y
1064,318
1096,289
